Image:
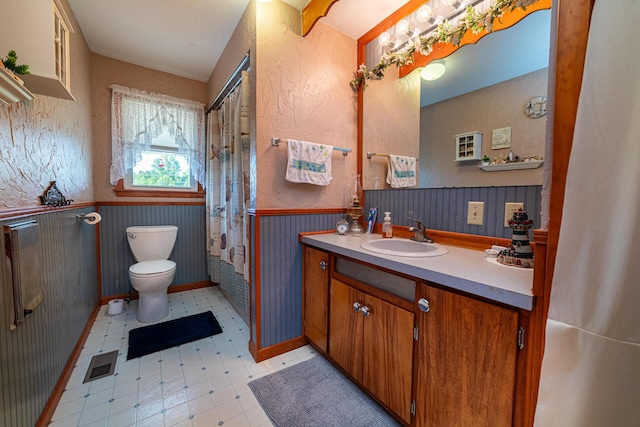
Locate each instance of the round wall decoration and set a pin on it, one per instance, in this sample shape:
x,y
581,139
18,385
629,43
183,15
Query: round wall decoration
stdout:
x,y
536,107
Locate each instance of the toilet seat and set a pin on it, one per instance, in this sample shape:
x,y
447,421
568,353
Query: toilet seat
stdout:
x,y
160,267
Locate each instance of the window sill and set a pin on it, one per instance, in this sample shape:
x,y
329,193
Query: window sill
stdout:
x,y
122,192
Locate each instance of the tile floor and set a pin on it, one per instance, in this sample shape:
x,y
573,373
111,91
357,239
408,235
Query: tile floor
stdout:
x,y
202,383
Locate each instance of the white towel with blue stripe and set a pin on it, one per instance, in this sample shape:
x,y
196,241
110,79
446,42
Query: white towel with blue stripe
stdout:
x,y
401,171
308,162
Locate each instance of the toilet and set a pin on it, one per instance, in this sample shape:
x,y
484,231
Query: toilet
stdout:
x,y
153,272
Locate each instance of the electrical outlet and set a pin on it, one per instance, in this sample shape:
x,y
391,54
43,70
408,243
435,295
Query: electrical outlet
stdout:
x,y
509,209
475,213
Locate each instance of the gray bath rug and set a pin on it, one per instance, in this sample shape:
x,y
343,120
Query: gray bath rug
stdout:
x,y
315,394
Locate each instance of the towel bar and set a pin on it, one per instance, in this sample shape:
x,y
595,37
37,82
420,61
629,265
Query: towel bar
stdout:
x,y
370,155
276,141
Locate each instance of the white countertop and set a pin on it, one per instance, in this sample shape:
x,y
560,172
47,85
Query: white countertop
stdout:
x,y
466,270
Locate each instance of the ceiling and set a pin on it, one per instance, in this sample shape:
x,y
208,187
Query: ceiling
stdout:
x,y
187,38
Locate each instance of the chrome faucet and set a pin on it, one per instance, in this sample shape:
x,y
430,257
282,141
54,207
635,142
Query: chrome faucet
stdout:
x,y
419,232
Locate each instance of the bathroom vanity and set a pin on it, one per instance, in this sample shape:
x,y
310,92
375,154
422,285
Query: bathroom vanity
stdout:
x,y
436,340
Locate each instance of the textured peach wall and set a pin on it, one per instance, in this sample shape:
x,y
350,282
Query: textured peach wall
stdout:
x,y
302,93
242,40
49,139
107,71
494,107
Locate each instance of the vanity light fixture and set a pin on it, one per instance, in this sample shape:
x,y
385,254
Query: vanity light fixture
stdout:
x,y
433,70
425,14
404,28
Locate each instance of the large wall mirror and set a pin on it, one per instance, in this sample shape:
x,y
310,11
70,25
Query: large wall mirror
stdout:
x,y
486,88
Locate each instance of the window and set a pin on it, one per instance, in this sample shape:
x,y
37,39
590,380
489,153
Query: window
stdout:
x,y
161,167
157,144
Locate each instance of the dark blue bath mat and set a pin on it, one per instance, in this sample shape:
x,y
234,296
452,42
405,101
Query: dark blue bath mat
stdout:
x,y
161,336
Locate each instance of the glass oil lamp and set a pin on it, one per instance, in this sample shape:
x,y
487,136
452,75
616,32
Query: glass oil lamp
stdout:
x,y
354,209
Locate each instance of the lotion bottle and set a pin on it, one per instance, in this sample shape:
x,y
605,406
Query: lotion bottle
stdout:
x,y
387,227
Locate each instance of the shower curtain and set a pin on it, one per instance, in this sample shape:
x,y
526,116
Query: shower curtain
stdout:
x,y
228,141
591,365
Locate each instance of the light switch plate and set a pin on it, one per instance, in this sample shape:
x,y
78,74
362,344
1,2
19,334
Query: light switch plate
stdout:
x,y
475,213
509,209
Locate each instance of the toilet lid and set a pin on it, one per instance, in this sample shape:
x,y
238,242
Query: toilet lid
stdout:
x,y
152,267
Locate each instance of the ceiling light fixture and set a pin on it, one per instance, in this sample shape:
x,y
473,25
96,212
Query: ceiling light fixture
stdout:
x,y
263,1
433,70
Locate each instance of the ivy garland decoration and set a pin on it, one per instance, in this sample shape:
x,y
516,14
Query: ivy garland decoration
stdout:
x,y
444,33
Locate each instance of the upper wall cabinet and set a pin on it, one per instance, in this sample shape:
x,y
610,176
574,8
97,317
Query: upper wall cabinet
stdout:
x,y
38,30
11,89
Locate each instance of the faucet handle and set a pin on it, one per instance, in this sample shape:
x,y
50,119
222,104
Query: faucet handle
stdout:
x,y
418,223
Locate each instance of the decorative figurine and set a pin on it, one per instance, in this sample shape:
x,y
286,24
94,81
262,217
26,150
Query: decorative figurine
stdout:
x,y
519,253
53,197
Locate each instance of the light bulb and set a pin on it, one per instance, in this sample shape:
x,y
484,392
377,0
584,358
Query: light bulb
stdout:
x,y
386,39
425,14
453,3
404,28
433,70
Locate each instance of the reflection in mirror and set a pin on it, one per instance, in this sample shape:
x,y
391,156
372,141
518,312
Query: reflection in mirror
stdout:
x,y
486,87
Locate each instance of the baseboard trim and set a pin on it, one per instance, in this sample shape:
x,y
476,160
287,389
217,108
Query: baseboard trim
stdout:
x,y
172,289
275,350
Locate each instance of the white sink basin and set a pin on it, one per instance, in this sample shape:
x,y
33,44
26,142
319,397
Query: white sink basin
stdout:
x,y
404,247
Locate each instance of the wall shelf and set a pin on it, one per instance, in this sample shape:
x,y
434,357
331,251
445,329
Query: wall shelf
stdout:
x,y
512,166
12,90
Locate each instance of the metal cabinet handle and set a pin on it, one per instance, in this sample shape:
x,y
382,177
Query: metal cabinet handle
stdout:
x,y
365,310
357,307
423,305
323,265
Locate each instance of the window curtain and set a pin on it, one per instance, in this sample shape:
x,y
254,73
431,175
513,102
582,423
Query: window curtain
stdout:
x,y
137,117
591,365
228,142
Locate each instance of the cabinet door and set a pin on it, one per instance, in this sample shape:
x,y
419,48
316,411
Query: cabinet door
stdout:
x,y
465,361
388,355
345,328
316,296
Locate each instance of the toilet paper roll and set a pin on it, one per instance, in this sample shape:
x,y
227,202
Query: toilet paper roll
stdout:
x,y
115,306
92,218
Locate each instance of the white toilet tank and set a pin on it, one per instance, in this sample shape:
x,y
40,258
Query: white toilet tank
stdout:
x,y
150,243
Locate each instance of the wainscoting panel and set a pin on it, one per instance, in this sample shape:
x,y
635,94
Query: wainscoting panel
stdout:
x,y
33,356
281,273
446,208
189,252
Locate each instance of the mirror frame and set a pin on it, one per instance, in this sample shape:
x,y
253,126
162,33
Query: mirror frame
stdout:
x,y
440,50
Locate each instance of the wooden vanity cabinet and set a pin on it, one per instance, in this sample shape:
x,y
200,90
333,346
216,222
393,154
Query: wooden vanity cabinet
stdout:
x,y
460,371
372,340
316,296
465,361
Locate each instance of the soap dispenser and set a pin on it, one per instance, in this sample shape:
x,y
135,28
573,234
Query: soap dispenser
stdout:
x,y
387,226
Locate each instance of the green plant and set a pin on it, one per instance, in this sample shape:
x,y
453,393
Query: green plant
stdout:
x,y
485,158
10,63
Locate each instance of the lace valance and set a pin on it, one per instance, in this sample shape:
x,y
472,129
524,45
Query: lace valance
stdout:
x,y
137,117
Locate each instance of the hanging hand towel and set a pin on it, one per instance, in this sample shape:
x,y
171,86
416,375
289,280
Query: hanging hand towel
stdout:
x,y
401,171
308,162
